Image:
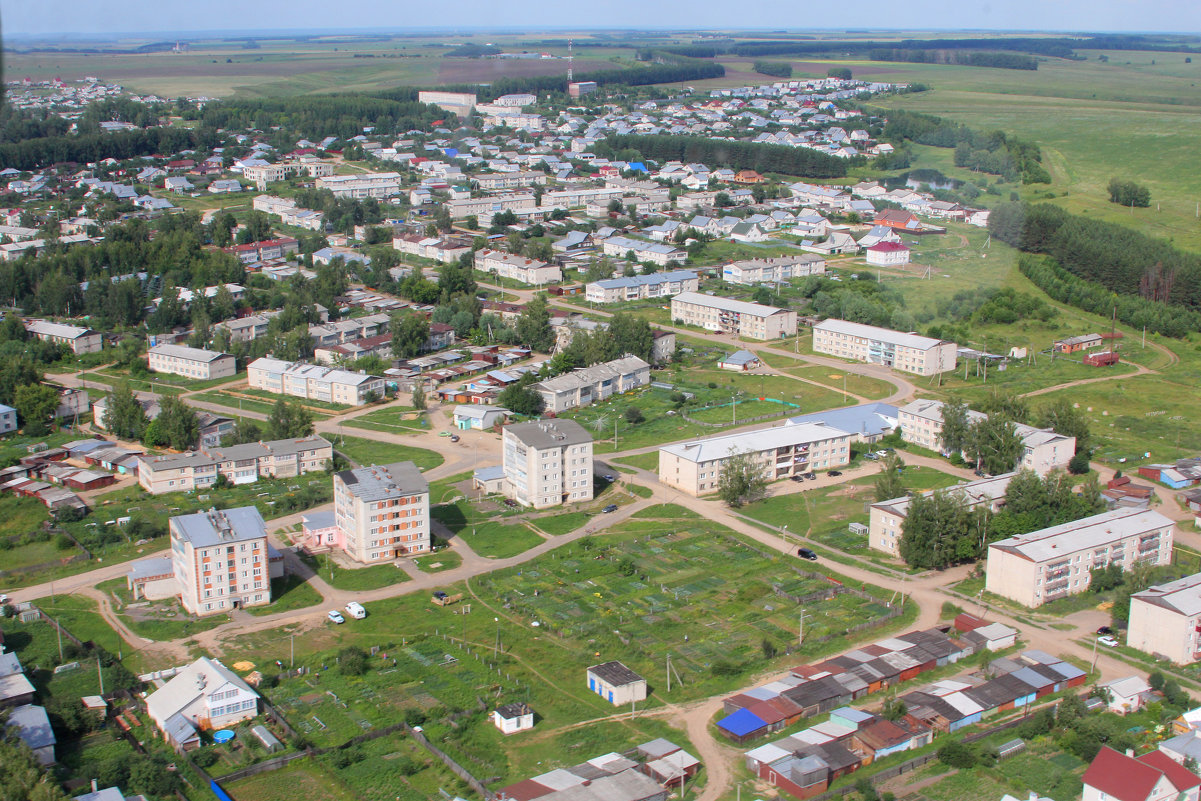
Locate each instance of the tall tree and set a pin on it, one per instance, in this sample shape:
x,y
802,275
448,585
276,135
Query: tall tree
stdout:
x,y
289,421
743,479
994,445
409,332
889,484
245,430
1065,418
35,404
177,423
954,426
533,325
418,399
124,417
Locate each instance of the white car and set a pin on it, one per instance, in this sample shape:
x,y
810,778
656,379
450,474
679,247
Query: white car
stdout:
x,y
336,616
1107,640
356,610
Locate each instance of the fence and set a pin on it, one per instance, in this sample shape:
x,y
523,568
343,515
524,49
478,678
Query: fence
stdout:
x,y
61,630
455,767
741,421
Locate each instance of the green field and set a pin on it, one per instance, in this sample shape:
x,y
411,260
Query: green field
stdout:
x,y
357,578
392,420
371,452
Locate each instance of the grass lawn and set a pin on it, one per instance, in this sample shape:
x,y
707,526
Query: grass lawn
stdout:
x,y
158,620
287,593
358,578
165,383
391,420
235,403
371,452
644,461
271,397
561,523
307,778
497,540
438,562
864,386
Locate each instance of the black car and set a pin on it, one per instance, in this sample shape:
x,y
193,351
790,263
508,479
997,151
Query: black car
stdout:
x,y
797,477
806,553
1105,630
610,508
834,473
811,476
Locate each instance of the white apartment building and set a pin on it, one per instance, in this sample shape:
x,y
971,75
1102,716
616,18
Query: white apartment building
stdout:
x,y
655,252
485,207
371,184
262,174
580,197
79,340
888,517
593,384
382,512
636,287
313,382
1043,450
241,464
460,103
520,122
908,353
289,213
220,560
493,181
518,268
196,363
1052,563
695,466
1165,620
749,272
737,317
547,463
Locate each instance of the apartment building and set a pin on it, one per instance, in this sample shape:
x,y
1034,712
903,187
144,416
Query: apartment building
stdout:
x,y
246,329
241,464
518,268
220,560
1054,562
493,181
485,207
362,185
382,512
749,272
289,213
593,384
460,103
313,382
547,463
266,250
520,122
262,174
636,287
196,363
579,197
1165,620
339,332
443,251
888,517
695,466
655,252
1043,450
908,353
79,340
737,317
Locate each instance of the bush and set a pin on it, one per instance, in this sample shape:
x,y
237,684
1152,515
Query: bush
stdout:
x,y
205,757
352,661
633,415
956,754
1078,465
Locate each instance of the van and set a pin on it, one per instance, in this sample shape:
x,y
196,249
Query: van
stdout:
x,y
356,610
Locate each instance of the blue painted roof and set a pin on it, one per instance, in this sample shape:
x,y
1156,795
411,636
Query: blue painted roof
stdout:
x,y
636,166
740,357
742,723
867,418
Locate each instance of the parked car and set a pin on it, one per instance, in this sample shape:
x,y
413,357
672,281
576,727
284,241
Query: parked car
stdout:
x,y
454,437
1105,630
834,473
509,502
336,616
797,477
811,476
610,508
871,457
3,599
356,610
1110,641
806,553
609,478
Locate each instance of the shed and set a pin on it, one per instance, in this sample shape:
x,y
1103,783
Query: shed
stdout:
x,y
742,725
740,361
616,683
268,739
512,718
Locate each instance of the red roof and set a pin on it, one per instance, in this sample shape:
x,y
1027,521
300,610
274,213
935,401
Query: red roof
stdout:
x,y
888,247
1122,777
966,622
1181,777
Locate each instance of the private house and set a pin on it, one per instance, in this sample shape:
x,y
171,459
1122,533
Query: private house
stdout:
x,y
203,696
546,463
478,417
1054,562
1043,450
899,220
512,718
241,464
694,467
15,687
32,725
740,361
887,254
382,512
221,560
908,353
1077,343
888,517
616,683
1127,694
1165,620
588,385
79,340
636,287
736,317
1114,776
195,363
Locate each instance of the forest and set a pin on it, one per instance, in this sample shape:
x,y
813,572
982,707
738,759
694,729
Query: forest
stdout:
x,y
972,58
763,158
993,152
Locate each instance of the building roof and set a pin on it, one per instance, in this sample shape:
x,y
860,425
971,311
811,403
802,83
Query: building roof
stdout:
x,y
33,725
1182,596
615,674
512,711
1121,777
1091,532
587,376
740,357
203,675
477,411
873,332
653,279
727,304
1181,777
984,490
542,434
106,794
44,328
742,722
220,527
190,354
867,419
722,446
381,482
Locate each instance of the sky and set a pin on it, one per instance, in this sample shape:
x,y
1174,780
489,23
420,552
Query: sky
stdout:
x,y
50,18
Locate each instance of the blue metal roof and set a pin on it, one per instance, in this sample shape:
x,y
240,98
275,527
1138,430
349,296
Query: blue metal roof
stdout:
x,y
742,723
867,418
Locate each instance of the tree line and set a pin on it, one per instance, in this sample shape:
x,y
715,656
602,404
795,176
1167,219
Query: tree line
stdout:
x,y
974,58
1003,154
776,69
763,158
1117,258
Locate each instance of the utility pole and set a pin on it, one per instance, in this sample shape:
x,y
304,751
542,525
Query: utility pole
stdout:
x,y
292,649
100,675
801,628
496,645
